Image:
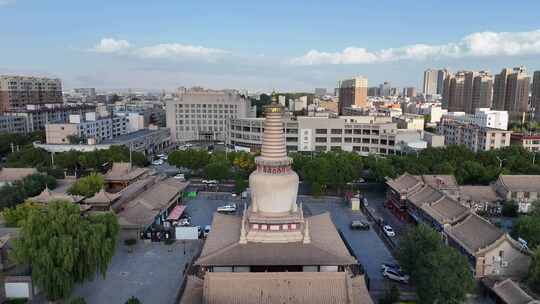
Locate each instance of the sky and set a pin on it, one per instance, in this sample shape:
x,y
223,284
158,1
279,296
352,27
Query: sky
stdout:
x,y
262,45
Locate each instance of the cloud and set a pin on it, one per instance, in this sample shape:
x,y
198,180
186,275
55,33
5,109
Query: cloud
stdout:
x,y
480,44
164,50
110,45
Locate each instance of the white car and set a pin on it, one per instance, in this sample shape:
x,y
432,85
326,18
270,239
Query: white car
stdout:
x,y
157,162
210,182
180,176
389,231
227,208
206,230
395,275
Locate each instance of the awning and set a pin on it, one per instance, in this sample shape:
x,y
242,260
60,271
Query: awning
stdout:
x,y
176,213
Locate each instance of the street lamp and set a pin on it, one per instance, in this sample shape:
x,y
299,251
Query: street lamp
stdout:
x,y
501,161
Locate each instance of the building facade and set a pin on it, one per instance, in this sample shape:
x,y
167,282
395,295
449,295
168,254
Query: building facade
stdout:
x,y
12,124
18,91
87,129
535,95
431,78
482,117
474,137
521,189
37,116
528,142
511,92
353,92
203,114
482,94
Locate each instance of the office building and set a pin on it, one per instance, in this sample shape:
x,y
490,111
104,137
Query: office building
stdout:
x,y
199,114
320,92
353,93
89,128
37,116
274,253
430,82
18,91
482,92
535,95
482,117
476,138
12,124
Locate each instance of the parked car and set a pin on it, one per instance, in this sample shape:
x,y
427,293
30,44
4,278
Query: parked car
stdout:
x,y
184,222
180,176
357,224
385,266
206,230
157,162
395,275
389,231
227,208
210,182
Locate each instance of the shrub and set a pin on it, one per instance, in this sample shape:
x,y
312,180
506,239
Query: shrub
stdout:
x,y
133,300
510,209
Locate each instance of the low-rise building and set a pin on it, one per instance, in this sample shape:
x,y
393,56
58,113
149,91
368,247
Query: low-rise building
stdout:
x,y
410,122
10,175
88,128
122,175
521,189
482,117
474,137
37,116
529,142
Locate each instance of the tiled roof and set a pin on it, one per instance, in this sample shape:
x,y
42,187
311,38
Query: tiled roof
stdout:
x,y
223,248
478,193
404,183
47,196
440,181
281,287
511,293
445,210
475,233
425,195
15,174
143,209
102,197
124,172
525,183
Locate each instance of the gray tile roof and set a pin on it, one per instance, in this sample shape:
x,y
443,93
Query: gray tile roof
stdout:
x,y
525,183
511,293
475,233
15,174
445,210
478,193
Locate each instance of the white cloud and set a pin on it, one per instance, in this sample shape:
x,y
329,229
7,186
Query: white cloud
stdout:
x,y
476,44
110,45
164,50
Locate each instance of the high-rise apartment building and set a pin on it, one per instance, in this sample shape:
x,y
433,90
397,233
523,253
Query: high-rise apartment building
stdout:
x,y
385,89
18,91
199,114
517,93
535,98
430,81
353,92
482,92
409,92
468,83
499,89
441,75
455,92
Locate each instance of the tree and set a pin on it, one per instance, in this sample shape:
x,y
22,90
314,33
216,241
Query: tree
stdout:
x,y
88,185
527,227
391,296
440,272
15,216
78,300
29,157
12,195
133,300
64,248
534,271
191,159
218,170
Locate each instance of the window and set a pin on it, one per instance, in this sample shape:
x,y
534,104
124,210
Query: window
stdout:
x,y
336,131
335,140
348,131
321,131
348,139
320,139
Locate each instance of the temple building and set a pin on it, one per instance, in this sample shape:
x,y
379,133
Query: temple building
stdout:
x,y
273,253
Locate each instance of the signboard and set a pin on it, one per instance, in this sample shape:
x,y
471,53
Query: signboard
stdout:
x,y
186,233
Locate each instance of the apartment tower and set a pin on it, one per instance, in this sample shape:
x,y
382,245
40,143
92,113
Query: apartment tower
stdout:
x,y
430,82
535,100
353,92
18,91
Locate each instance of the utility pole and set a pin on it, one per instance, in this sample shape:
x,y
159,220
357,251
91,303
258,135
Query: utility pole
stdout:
x,y
52,159
12,147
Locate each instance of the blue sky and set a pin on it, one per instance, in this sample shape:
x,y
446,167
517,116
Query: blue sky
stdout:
x,y
261,45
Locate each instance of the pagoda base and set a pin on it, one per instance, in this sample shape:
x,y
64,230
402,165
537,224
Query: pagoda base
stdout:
x,y
274,237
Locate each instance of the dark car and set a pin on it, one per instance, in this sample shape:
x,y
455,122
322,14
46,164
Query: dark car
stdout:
x,y
357,224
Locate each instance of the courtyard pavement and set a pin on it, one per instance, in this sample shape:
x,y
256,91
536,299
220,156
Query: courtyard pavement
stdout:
x,y
152,272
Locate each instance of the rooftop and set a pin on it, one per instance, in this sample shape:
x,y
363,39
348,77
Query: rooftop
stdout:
x,y
222,248
124,172
132,136
525,183
475,233
478,193
510,292
15,174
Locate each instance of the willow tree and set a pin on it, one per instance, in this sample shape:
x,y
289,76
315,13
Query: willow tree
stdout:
x,y
63,248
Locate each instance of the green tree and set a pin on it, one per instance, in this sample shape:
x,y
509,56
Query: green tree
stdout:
x,y
12,195
527,227
29,157
534,271
440,272
78,300
88,185
15,216
133,300
64,248
218,170
191,159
